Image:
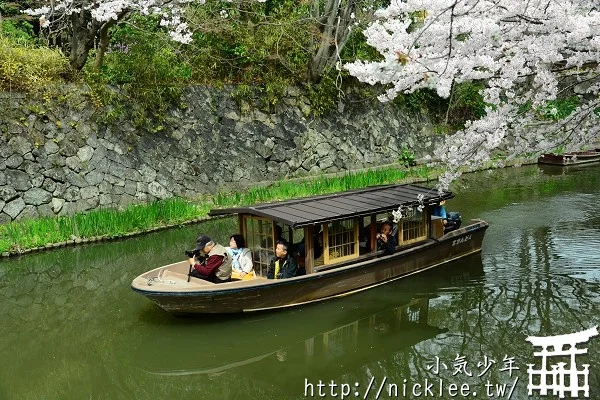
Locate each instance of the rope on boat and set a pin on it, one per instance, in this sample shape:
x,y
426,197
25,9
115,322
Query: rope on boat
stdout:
x,y
157,279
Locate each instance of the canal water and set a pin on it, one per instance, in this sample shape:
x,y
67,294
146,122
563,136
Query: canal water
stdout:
x,y
71,327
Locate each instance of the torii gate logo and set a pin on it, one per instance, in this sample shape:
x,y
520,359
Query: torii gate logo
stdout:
x,y
559,380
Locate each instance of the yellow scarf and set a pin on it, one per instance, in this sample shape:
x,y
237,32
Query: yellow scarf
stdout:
x,y
276,269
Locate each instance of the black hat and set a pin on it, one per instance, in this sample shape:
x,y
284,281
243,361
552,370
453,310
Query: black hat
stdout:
x,y
202,241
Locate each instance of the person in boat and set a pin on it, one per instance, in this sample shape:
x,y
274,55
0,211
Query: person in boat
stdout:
x,y
450,224
300,248
440,211
241,257
283,265
385,240
364,239
216,266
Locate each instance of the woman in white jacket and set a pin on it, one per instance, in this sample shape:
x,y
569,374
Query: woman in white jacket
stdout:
x,y
241,257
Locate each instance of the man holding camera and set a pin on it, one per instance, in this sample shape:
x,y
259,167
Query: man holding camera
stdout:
x,y
216,264
385,240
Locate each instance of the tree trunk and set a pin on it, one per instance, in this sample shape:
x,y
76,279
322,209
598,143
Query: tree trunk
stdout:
x,y
333,22
104,39
82,38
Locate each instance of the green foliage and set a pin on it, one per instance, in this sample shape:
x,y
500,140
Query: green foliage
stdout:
x,y
422,99
558,109
553,110
323,95
26,234
146,66
242,92
525,107
466,104
29,68
253,43
407,158
266,46
18,32
274,90
357,48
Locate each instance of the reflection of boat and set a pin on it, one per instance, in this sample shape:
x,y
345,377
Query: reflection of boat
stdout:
x,y
572,158
314,340
348,225
553,169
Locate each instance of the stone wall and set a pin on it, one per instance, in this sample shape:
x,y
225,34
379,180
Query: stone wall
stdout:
x,y
57,158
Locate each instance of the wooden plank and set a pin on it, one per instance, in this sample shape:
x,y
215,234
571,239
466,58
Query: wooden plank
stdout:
x,y
309,257
241,225
373,233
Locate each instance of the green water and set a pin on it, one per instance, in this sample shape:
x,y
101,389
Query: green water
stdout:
x,y
71,327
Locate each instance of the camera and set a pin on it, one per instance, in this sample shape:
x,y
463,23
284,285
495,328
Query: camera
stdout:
x,y
192,253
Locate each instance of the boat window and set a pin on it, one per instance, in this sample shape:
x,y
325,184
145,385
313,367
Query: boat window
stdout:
x,y
341,240
364,239
260,233
414,226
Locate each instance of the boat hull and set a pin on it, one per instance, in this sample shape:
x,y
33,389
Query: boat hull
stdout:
x,y
577,158
262,294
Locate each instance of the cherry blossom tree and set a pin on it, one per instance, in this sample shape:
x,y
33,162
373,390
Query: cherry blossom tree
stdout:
x,y
527,52
87,21
86,24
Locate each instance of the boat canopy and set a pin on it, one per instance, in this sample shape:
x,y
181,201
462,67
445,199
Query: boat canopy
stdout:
x,y
338,206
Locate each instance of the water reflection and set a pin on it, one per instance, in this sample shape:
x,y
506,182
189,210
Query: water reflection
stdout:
x,y
69,318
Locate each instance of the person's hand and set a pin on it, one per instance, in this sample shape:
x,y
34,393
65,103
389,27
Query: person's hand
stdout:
x,y
192,261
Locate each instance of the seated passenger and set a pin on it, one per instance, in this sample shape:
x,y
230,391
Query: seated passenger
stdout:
x,y
241,257
385,240
300,248
450,224
283,265
440,211
364,240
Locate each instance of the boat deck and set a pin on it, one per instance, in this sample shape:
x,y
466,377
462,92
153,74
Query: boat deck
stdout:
x,y
174,277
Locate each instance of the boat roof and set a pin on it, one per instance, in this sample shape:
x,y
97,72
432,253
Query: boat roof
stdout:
x,y
337,206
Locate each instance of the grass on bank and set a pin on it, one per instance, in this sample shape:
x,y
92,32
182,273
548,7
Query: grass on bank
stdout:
x,y
19,236
284,190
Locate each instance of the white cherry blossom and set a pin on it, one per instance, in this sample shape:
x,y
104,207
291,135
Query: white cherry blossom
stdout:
x,y
528,53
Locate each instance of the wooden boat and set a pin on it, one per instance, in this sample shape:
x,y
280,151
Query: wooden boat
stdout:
x,y
348,223
572,158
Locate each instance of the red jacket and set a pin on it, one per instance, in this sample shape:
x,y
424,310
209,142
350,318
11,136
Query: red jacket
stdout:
x,y
209,268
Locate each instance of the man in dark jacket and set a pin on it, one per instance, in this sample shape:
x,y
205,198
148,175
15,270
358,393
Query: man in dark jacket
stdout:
x,y
216,266
385,240
283,265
